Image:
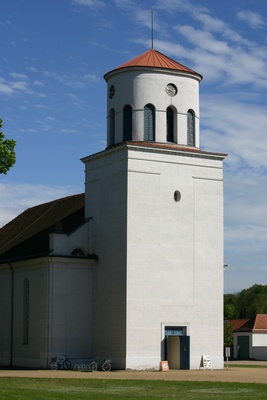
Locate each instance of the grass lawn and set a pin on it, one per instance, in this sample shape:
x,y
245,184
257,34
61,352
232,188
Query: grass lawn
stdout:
x,y
95,389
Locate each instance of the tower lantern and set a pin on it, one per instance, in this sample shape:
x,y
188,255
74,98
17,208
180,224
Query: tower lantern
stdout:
x,y
153,98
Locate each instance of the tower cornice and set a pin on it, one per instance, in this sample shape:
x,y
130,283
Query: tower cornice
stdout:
x,y
155,147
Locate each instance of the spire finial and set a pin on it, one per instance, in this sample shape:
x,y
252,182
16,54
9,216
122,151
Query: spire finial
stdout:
x,y
152,28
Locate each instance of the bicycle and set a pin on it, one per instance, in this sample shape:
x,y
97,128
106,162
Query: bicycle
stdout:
x,y
91,366
103,364
57,363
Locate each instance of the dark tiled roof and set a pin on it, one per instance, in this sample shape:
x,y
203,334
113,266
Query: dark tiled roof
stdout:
x,y
27,234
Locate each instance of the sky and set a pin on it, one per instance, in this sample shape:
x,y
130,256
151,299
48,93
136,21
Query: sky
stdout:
x,y
54,54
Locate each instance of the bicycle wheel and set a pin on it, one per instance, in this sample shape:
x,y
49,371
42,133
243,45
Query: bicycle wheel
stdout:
x,y
54,365
106,366
93,366
67,364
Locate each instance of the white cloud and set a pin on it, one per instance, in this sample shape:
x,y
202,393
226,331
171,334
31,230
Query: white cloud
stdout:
x,y
16,198
90,3
92,78
221,59
232,119
252,18
14,87
16,75
38,83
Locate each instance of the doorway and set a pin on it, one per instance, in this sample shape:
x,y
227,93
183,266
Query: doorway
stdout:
x,y
177,348
243,347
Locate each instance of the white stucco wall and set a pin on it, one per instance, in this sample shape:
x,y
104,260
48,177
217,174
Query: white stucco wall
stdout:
x,y
63,244
60,305
259,340
160,261
175,255
106,203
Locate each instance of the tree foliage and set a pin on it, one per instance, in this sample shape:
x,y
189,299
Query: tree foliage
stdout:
x,y
246,304
7,152
228,334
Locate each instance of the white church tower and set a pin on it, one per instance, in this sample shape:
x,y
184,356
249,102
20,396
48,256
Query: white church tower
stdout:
x,y
155,202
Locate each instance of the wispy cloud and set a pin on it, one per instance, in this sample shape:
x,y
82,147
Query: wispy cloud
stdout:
x,y
232,121
16,75
90,3
9,87
252,18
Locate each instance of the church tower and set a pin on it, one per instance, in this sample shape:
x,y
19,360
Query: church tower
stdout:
x,y
155,204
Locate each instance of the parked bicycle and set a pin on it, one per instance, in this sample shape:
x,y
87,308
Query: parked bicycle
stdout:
x,y
103,364
57,363
91,366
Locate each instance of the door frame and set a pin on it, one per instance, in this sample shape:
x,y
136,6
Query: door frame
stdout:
x,y
180,330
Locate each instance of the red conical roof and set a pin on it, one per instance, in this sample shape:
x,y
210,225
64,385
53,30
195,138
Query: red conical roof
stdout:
x,y
154,59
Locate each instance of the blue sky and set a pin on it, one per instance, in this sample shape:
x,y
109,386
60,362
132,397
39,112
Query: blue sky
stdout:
x,y
54,54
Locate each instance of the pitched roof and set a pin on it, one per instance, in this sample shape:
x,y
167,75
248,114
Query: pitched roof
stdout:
x,y
260,323
28,232
255,325
241,324
154,59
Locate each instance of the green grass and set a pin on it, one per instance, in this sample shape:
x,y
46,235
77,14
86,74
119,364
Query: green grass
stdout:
x,y
96,389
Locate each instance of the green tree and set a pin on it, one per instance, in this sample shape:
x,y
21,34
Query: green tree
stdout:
x,y
252,301
230,307
7,152
246,304
228,334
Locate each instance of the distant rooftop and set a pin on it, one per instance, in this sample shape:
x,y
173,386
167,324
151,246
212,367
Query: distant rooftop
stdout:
x,y
255,325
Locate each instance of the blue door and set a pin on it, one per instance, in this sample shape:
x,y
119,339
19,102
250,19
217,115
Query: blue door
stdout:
x,y
177,348
185,352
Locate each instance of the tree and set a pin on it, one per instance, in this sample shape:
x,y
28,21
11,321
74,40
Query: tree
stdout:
x,y
230,311
228,334
7,152
246,304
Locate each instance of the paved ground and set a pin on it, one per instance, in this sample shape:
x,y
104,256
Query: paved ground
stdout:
x,y
233,374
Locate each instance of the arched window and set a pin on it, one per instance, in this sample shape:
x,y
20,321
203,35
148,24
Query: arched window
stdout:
x,y
170,124
127,123
26,310
190,128
149,122
78,252
111,127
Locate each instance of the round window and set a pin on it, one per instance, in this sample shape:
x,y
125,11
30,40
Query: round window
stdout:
x,y
177,195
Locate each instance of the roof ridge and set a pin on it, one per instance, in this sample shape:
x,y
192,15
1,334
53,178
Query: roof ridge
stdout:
x,y
33,222
52,201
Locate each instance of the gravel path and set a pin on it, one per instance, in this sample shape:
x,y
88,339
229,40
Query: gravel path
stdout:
x,y
232,374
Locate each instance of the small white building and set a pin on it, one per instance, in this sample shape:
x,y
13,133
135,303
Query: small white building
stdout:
x,y
250,338
139,279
